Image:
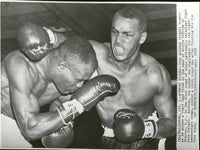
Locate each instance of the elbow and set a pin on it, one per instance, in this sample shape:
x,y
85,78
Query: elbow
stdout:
x,y
31,135
30,131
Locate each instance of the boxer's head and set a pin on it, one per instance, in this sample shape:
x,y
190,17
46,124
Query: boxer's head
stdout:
x,y
128,33
75,62
33,40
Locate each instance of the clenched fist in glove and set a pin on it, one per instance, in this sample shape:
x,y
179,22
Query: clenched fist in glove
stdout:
x,y
35,40
88,96
129,127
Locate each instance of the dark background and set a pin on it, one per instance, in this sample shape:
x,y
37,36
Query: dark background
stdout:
x,y
93,21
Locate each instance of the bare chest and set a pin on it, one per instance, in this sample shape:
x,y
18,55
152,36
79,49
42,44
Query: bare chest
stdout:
x,y
135,91
136,88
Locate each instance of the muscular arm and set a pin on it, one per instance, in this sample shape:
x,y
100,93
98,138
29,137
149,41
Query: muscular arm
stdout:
x,y
164,105
25,103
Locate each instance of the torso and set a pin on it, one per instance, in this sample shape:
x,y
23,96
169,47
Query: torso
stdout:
x,y
43,90
136,92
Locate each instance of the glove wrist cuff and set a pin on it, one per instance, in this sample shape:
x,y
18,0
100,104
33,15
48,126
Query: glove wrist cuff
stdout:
x,y
151,129
108,132
52,36
74,104
64,122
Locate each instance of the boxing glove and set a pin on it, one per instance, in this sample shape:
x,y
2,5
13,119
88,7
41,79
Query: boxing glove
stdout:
x,y
88,96
129,127
35,40
63,137
60,139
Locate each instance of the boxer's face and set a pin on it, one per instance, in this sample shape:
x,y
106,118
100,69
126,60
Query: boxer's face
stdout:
x,y
69,80
36,54
125,37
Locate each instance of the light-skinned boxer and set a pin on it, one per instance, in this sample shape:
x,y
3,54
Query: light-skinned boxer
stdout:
x,y
145,96
145,87
28,85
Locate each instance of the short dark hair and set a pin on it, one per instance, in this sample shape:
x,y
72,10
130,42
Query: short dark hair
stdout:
x,y
77,51
132,12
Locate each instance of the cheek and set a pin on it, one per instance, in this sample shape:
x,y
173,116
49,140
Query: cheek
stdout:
x,y
132,44
129,46
112,40
63,82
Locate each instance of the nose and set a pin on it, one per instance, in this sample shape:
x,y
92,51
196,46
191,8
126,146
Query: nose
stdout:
x,y
79,84
119,38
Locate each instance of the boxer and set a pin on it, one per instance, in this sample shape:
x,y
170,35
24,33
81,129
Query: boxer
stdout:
x,y
143,111
28,85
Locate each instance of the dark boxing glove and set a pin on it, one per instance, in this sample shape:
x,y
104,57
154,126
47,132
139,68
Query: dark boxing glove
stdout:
x,y
35,40
88,96
60,139
129,127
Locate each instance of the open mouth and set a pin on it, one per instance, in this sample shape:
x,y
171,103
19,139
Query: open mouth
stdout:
x,y
119,50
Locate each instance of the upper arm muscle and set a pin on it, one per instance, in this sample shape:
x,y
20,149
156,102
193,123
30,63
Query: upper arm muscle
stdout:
x,y
23,100
163,101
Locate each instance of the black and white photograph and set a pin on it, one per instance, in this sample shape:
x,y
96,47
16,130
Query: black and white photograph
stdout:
x,y
99,75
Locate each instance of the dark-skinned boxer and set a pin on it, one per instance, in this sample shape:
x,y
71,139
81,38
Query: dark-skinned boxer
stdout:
x,y
145,87
28,85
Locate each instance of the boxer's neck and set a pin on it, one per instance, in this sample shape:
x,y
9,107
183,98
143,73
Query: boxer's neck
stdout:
x,y
129,64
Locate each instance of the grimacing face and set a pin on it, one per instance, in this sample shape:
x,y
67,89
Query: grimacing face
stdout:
x,y
126,37
69,80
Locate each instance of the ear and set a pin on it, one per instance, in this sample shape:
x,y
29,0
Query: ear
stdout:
x,y
62,65
143,37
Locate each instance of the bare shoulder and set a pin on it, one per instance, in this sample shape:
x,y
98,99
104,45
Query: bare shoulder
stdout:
x,y
156,72
15,61
18,68
101,49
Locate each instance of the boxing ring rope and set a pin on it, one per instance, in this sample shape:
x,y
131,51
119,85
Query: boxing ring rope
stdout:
x,y
174,82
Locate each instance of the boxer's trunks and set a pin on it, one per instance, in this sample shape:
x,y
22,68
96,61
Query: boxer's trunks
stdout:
x,y
11,136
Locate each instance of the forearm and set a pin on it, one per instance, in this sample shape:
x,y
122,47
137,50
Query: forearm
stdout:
x,y
166,128
42,124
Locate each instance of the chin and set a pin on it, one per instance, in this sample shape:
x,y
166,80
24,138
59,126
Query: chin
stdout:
x,y
119,58
64,92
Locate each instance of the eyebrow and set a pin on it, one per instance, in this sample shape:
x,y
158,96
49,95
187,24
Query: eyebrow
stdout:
x,y
126,32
